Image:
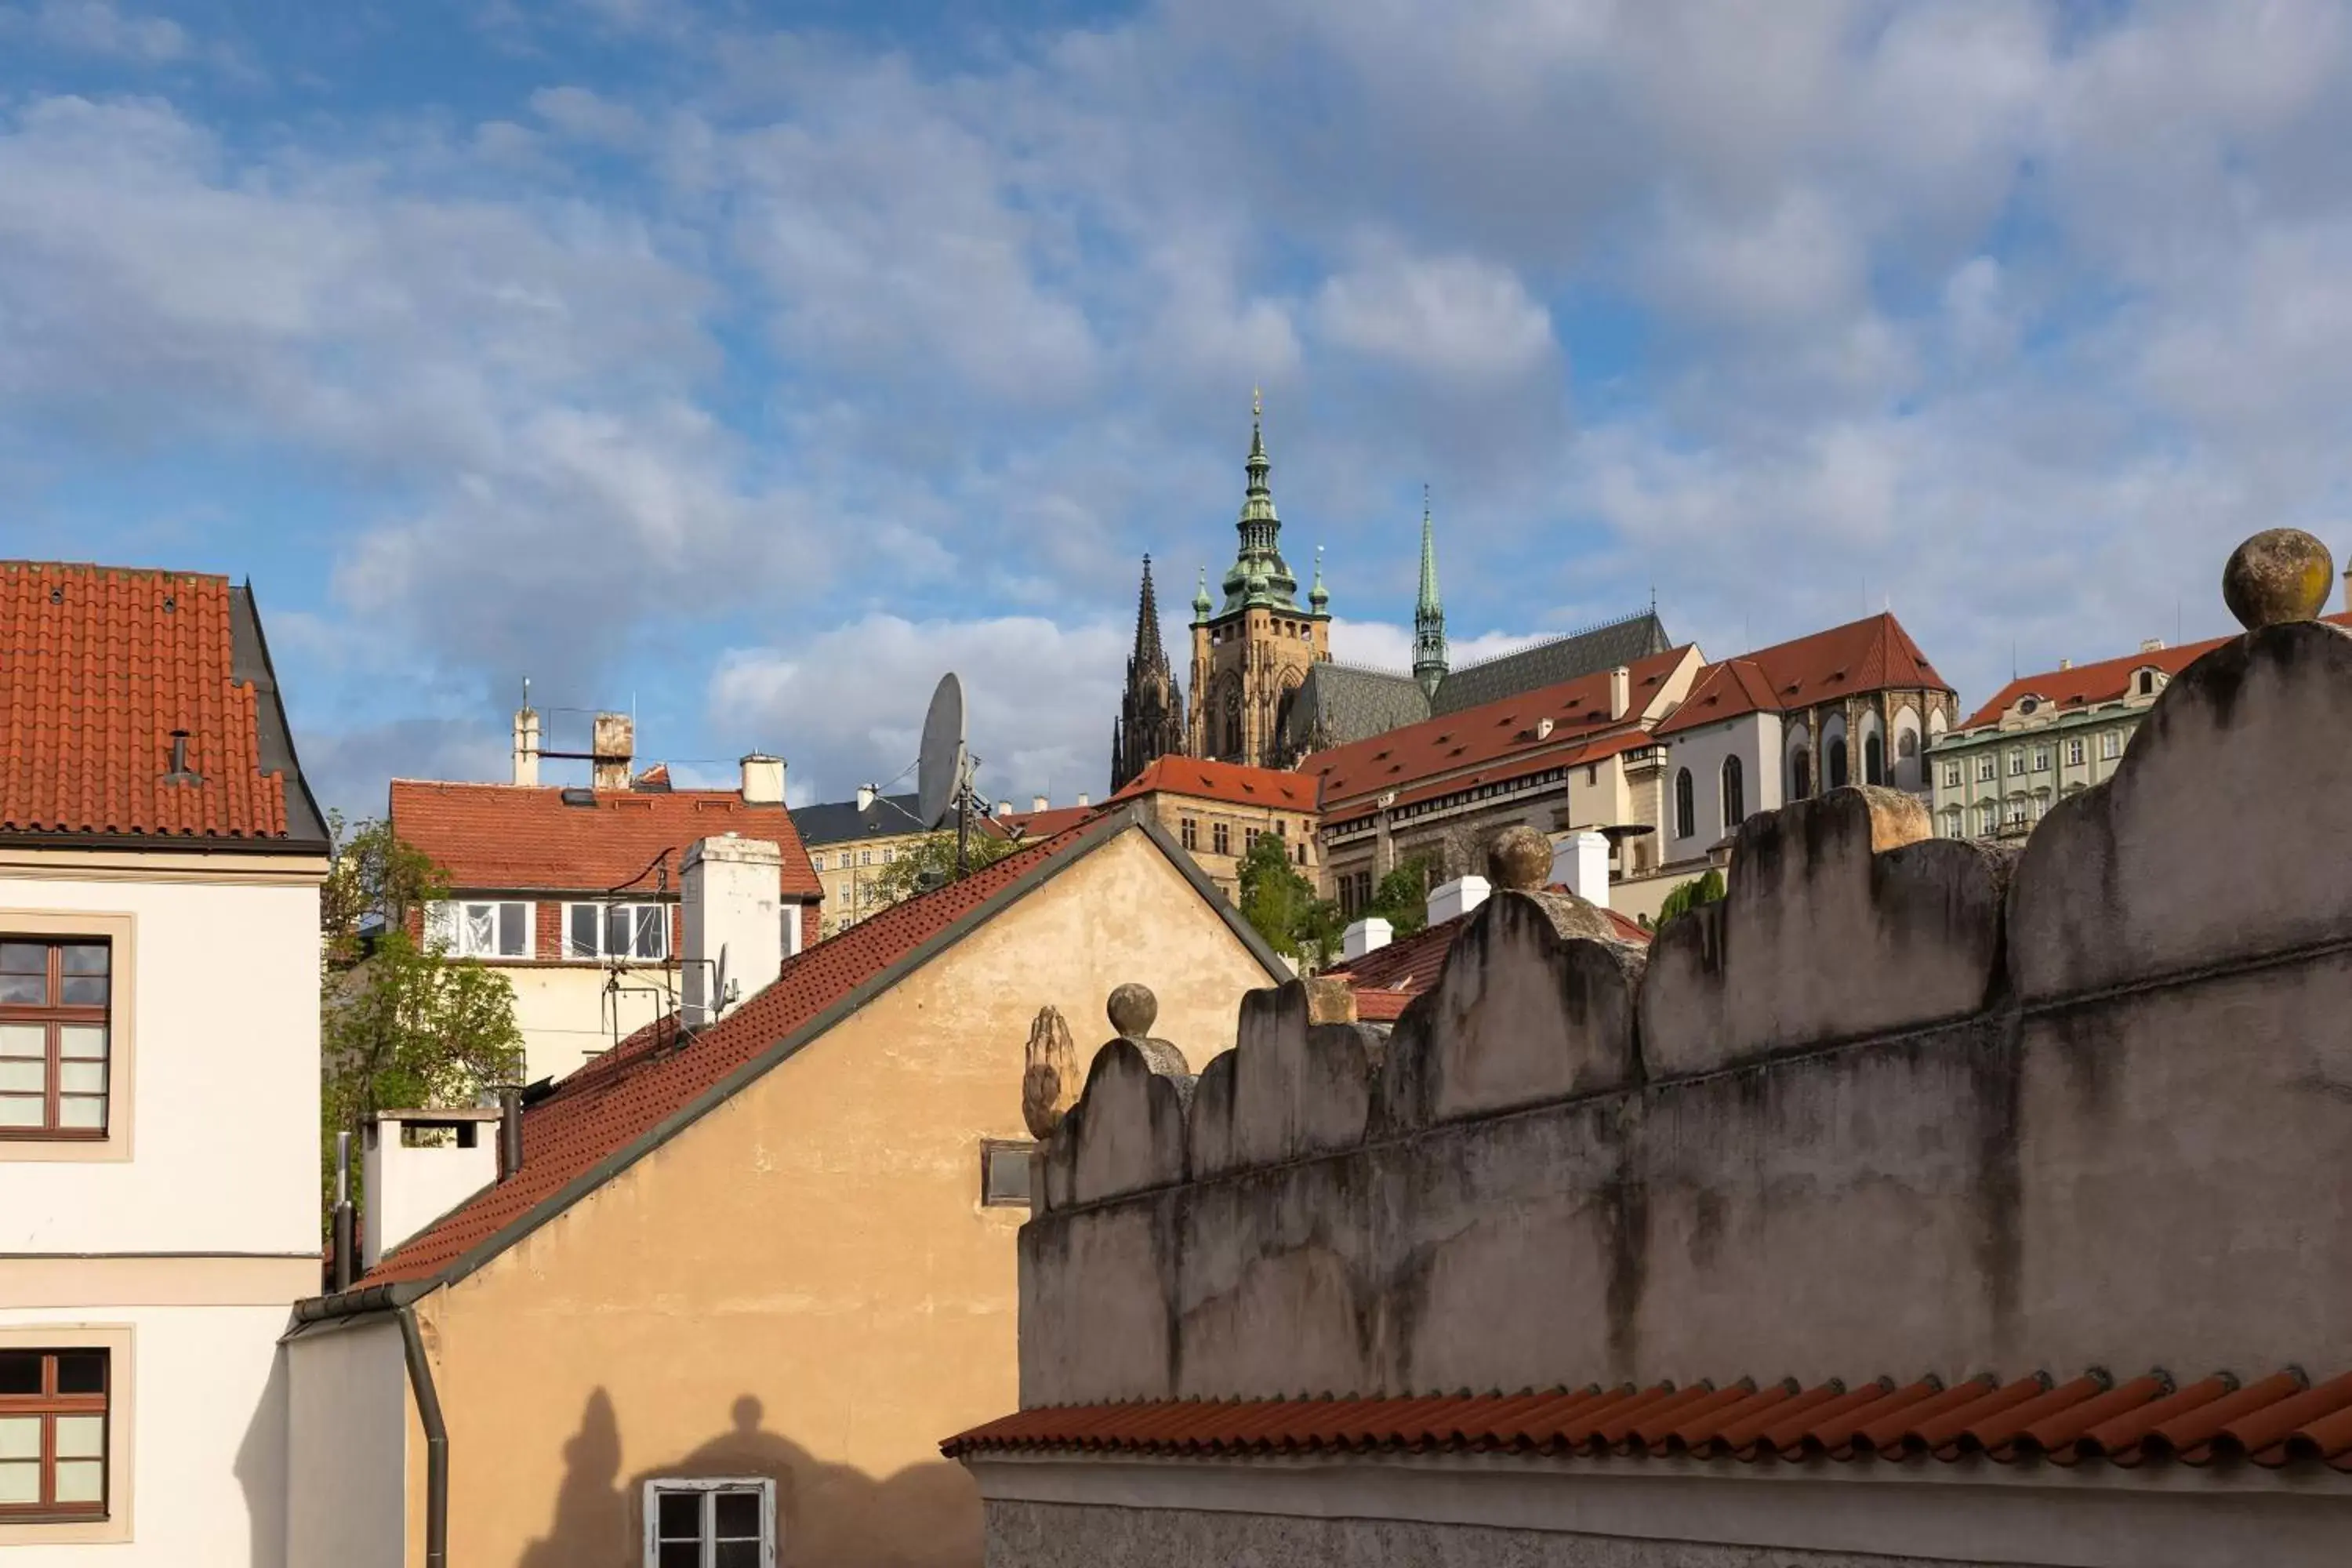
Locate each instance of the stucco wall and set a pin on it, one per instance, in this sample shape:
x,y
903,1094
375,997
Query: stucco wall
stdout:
x,y
805,1283
347,1395
1898,1104
565,1016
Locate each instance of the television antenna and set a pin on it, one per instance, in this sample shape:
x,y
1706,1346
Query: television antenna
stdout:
x,y
943,767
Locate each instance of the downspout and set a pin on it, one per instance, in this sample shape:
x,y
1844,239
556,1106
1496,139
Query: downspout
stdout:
x,y
437,1442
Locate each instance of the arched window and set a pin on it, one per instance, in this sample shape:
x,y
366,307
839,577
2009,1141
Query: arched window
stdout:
x,y
1800,775
1685,808
1735,800
1874,760
1836,769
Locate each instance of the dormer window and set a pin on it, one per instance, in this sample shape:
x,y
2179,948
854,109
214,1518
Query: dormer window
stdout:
x,y
468,928
2145,683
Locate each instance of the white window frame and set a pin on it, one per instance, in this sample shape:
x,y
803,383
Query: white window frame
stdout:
x,y
572,951
2017,762
2076,752
1951,775
2111,745
446,921
707,1485
1988,768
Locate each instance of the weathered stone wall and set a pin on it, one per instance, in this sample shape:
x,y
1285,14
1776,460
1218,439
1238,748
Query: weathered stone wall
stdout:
x,y
1896,1105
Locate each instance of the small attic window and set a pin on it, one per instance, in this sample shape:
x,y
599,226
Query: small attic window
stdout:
x,y
575,796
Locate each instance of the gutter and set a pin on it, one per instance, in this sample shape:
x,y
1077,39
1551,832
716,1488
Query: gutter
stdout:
x,y
436,1441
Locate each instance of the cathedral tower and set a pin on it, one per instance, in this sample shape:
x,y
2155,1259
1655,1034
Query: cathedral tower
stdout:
x,y
1151,714
1428,615
1250,654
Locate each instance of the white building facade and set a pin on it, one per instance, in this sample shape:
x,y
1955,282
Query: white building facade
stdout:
x,y
159,1076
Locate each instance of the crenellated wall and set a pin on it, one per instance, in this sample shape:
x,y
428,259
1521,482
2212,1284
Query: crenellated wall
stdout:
x,y
1898,1104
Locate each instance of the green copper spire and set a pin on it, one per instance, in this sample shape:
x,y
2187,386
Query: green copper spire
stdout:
x,y
1259,575
1318,597
1201,605
1428,614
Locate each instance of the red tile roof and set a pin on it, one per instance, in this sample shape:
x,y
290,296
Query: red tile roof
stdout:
x,y
2109,681
99,665
1387,979
525,838
1439,754
1045,824
1228,781
2277,1421
1868,655
606,1108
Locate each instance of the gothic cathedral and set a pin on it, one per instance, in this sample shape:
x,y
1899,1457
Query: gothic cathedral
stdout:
x,y
1151,714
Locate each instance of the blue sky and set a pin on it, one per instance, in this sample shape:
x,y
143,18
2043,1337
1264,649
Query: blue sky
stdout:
x,y
749,364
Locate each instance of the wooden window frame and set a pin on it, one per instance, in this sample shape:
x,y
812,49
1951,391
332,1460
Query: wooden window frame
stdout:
x,y
48,1404
51,1014
770,1528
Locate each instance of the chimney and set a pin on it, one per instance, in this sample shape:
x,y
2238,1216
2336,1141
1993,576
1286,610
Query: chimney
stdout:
x,y
1084,801
526,746
763,779
510,1131
1621,691
1458,897
1580,863
1036,802
2066,664
614,743
734,923
865,799
2151,645
1003,809
346,1228
410,1185
1362,937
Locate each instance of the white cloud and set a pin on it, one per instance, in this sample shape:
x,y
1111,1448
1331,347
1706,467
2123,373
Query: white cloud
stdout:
x,y
1386,645
589,116
100,27
1454,317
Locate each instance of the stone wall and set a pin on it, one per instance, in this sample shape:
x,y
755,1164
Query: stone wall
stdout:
x,y
1896,1105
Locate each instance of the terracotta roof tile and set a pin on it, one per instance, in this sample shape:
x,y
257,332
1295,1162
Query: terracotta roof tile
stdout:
x,y
1868,655
2278,1421
607,1106
97,667
1045,823
1228,781
2108,681
528,838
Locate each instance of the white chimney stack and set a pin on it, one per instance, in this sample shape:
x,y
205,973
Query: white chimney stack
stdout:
x,y
1003,809
1580,863
1362,937
526,746
1036,802
865,799
1621,691
734,922
1458,897
763,779
410,1186
1084,801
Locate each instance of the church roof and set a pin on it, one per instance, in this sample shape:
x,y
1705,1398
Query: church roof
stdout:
x,y
1868,655
1579,654
1338,703
1229,781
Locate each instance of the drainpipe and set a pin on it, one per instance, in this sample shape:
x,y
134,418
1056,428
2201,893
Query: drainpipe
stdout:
x,y
437,1442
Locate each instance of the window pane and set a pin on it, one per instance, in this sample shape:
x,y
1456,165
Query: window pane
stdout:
x,y
681,1554
738,1516
81,1371
27,990
512,920
650,931
82,1112
82,1480
81,1078
20,1372
616,932
739,1553
24,958
19,1110
85,958
581,922
20,1482
81,1436
25,1040
83,991
480,931
82,1042
680,1516
20,1438
22,1076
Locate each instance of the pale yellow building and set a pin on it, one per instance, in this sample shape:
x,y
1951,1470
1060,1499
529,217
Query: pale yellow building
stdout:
x,y
1219,810
740,1282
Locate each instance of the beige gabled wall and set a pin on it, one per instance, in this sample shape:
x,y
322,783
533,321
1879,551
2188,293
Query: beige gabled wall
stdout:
x,y
805,1283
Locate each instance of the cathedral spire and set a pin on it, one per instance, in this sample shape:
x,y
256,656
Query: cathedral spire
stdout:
x,y
1428,613
1152,713
1259,575
1146,621
1318,597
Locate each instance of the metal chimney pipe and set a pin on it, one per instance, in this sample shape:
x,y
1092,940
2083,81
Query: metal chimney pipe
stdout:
x,y
510,1131
345,1242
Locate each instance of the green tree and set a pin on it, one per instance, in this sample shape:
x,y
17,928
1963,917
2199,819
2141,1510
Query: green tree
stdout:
x,y
1402,897
400,1023
1281,905
1690,895
929,862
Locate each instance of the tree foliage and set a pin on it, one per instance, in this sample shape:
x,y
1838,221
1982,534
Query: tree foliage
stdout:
x,y
929,862
402,1025
1402,897
1281,905
1690,895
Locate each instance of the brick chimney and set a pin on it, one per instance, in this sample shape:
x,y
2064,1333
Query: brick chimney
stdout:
x,y
614,743
763,779
1621,691
526,746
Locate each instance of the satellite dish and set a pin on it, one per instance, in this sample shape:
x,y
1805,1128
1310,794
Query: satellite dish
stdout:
x,y
939,768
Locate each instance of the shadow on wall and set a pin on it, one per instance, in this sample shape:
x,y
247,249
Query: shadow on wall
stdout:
x,y
927,1516
261,1469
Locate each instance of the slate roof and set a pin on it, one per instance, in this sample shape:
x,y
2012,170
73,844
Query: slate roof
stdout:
x,y
1628,641
1439,754
2276,1421
530,838
618,1108
1229,781
2108,681
840,821
97,667
1869,655
1338,703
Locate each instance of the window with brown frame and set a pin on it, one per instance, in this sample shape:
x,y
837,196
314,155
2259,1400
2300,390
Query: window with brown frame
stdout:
x,y
53,1434
53,1036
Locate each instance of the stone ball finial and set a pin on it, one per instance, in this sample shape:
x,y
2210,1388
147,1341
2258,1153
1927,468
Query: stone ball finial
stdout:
x,y
1132,1009
1520,857
2280,575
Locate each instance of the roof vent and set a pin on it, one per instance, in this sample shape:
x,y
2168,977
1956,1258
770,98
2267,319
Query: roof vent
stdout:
x,y
574,795
181,773
1543,728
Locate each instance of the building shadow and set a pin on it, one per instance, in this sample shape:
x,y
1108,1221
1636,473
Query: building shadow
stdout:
x,y
827,1515
261,1467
